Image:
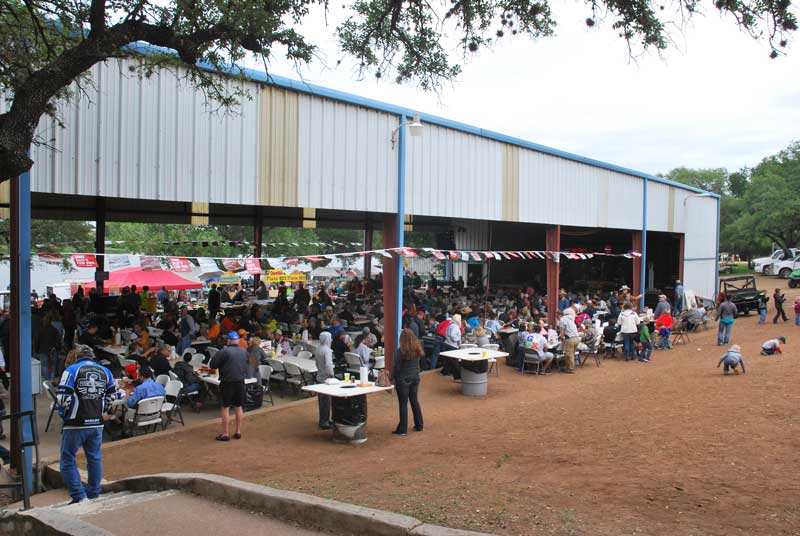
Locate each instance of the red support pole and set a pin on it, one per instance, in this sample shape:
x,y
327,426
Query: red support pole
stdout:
x,y
637,263
258,229
553,243
100,243
391,323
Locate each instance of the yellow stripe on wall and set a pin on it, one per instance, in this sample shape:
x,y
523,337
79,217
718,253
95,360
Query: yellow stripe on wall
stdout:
x,y
278,147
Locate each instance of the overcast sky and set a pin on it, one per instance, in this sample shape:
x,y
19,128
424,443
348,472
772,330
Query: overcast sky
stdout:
x,y
714,100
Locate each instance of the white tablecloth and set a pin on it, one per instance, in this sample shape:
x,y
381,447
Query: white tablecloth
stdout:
x,y
341,391
306,365
214,380
116,350
473,354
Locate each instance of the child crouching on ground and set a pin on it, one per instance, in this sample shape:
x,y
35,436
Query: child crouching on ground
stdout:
x,y
732,359
773,346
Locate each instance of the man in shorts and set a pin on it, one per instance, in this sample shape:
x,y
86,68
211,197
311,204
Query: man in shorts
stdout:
x,y
231,362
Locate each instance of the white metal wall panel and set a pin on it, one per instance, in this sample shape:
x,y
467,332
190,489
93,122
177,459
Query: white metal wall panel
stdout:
x,y
700,221
452,173
558,191
149,138
657,206
475,237
346,159
699,276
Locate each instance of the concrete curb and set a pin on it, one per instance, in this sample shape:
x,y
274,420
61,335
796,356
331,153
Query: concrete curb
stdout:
x,y
46,522
307,510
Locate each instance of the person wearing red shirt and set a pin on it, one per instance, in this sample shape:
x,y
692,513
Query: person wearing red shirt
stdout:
x,y
664,325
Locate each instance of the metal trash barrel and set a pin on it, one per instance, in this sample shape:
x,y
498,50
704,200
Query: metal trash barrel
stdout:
x,y
474,383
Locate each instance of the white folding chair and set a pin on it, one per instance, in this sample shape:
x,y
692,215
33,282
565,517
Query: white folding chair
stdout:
x,y
492,360
172,376
211,351
294,376
148,413
305,354
353,362
278,373
265,373
163,379
51,391
197,361
189,350
172,403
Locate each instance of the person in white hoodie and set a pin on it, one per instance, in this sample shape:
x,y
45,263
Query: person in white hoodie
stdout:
x,y
628,321
324,358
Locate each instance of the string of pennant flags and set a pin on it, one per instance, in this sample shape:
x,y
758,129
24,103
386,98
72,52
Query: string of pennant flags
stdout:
x,y
201,243
255,265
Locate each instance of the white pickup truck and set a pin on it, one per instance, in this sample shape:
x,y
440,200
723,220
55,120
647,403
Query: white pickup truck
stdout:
x,y
760,264
783,269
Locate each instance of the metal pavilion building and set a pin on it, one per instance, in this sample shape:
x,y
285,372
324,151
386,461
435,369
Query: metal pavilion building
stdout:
x,y
294,154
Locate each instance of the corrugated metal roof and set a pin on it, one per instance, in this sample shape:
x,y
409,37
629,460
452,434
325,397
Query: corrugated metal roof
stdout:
x,y
304,87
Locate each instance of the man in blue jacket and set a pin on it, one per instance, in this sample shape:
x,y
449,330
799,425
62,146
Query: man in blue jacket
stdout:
x,y
85,390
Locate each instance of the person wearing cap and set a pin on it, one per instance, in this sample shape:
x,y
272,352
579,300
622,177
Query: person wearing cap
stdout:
x,y
85,390
147,389
569,332
664,325
90,337
232,363
732,359
773,346
159,362
662,306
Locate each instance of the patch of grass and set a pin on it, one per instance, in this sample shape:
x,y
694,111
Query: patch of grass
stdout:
x,y
568,518
503,459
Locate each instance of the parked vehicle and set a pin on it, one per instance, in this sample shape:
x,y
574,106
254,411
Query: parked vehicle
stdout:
x,y
743,292
778,255
794,279
783,269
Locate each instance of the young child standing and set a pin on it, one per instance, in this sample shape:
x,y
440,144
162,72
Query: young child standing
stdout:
x,y
732,359
647,345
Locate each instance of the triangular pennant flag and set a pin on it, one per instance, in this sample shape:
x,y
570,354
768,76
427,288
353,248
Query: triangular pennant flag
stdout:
x,y
438,254
475,256
464,256
506,254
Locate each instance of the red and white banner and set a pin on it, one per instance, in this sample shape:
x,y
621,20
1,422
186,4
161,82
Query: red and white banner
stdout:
x,y
253,266
82,260
180,264
150,264
232,265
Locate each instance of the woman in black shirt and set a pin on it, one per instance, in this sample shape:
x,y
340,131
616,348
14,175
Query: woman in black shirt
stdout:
x,y
407,381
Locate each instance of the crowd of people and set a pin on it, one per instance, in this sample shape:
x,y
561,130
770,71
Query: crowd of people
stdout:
x,y
72,337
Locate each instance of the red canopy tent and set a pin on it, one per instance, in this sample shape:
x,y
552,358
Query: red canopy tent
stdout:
x,y
155,279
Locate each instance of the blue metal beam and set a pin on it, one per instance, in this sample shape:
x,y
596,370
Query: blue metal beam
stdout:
x,y
716,259
21,309
401,221
644,245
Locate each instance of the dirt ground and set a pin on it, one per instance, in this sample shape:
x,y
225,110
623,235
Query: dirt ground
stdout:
x,y
672,447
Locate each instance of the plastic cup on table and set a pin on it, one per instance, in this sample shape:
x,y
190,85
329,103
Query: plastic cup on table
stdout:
x,y
347,377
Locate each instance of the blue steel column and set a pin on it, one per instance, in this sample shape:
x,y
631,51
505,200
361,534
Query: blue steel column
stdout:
x,y
716,258
401,221
21,310
644,246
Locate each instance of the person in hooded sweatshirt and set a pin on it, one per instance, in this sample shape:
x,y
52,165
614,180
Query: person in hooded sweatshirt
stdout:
x,y
324,358
732,359
629,326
